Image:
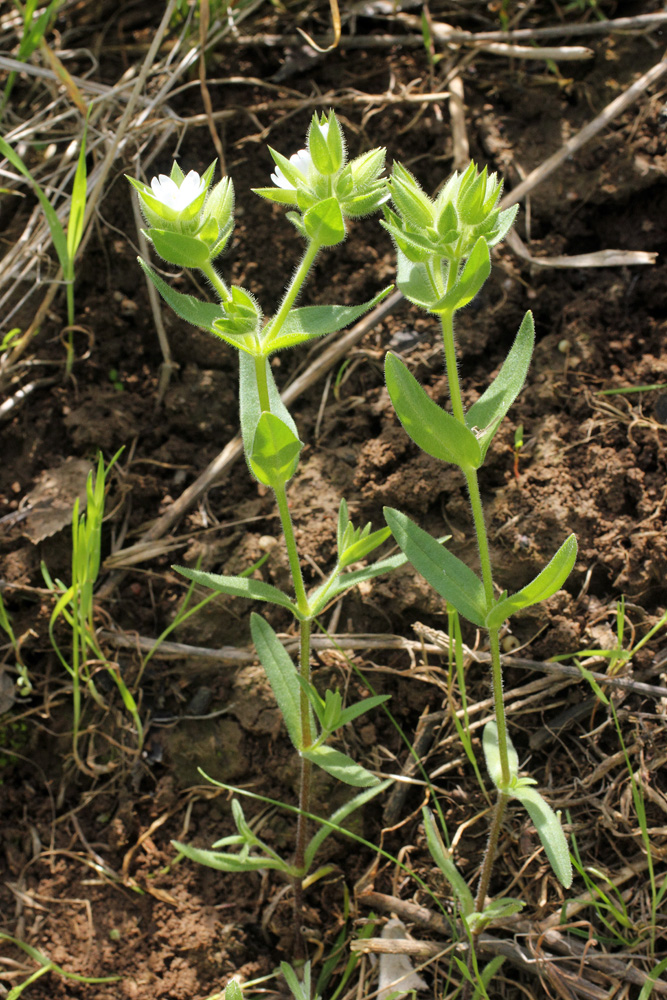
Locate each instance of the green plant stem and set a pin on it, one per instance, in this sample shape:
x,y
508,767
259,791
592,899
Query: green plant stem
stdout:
x,y
294,288
490,854
221,288
472,482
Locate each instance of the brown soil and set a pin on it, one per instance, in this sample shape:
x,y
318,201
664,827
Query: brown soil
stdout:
x,y
88,873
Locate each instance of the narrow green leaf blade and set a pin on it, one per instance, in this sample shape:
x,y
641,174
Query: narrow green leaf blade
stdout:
x,y
226,862
317,321
547,823
282,675
55,225
487,413
442,859
192,310
337,818
340,766
239,586
448,575
365,705
551,579
434,430
413,279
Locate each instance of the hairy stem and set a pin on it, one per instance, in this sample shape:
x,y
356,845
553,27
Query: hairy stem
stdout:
x,y
220,287
293,288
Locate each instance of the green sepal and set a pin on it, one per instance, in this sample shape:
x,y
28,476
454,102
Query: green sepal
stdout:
x,y
504,223
545,584
340,766
309,322
324,223
410,199
448,575
274,455
291,173
444,862
239,586
318,147
548,825
492,758
469,282
283,196
487,413
176,173
282,674
435,431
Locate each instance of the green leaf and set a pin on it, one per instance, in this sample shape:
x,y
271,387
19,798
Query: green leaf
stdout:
x,y
275,451
489,410
335,820
78,206
361,548
340,766
239,586
192,310
444,862
233,991
365,705
324,223
228,862
55,226
414,281
471,279
492,758
282,675
551,579
547,823
317,321
344,581
448,575
282,196
179,249
250,407
434,430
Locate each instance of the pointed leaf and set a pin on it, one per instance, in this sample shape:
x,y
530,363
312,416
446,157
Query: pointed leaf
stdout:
x,y
492,757
344,581
489,410
324,223
317,321
444,862
337,818
179,249
282,675
361,548
365,705
249,402
449,576
413,279
228,862
192,310
547,823
239,586
275,451
435,431
551,579
55,225
340,766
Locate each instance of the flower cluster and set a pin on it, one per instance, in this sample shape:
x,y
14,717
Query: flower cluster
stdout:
x,y
448,226
190,222
323,186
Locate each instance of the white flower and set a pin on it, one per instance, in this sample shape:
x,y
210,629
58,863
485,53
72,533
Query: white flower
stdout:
x,y
178,197
303,162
